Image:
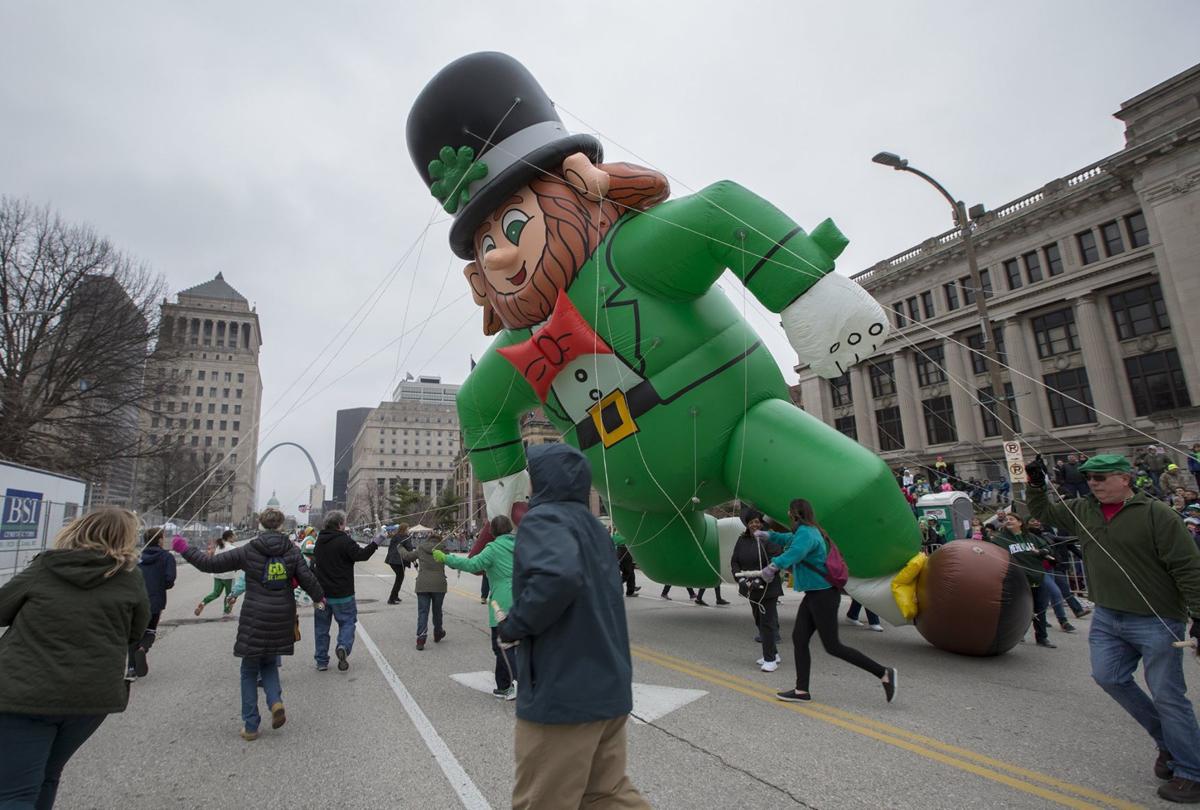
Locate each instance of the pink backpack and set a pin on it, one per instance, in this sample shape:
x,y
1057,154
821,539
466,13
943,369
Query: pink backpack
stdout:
x,y
836,572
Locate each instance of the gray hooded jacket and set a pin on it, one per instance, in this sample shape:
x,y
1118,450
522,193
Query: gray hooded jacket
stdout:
x,y
568,611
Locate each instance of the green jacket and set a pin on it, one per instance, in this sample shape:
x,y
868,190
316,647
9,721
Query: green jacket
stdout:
x,y
1146,542
70,628
1026,550
496,560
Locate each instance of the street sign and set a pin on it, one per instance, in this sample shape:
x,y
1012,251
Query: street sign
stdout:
x,y
1014,460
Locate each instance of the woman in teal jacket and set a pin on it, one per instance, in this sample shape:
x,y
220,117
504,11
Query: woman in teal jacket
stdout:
x,y
495,562
805,550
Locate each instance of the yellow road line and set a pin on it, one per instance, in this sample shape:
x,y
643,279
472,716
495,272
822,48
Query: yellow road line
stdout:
x,y
954,756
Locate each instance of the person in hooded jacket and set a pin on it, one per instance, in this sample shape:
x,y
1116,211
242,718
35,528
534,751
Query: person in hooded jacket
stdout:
x,y
266,624
158,569
397,545
496,561
1028,550
568,620
334,559
750,555
71,616
430,587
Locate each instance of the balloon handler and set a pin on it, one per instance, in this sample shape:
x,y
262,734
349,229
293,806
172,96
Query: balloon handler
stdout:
x,y
602,298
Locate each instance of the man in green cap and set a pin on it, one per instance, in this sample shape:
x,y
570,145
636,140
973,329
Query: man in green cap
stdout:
x,y
1143,573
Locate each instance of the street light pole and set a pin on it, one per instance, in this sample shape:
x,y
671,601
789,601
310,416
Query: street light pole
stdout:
x,y
1004,412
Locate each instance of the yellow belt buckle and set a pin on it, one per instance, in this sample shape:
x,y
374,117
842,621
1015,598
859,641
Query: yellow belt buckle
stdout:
x,y
627,427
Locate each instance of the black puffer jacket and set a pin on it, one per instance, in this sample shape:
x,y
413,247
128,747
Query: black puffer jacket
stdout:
x,y
265,626
567,611
751,554
395,554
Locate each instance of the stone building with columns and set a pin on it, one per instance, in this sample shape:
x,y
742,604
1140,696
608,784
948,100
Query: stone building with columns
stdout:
x,y
209,343
1093,281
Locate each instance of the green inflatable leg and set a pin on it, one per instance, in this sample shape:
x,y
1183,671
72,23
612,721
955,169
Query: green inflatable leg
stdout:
x,y
779,452
672,549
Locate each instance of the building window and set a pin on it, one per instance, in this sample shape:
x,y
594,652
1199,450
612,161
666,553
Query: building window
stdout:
x,y
939,420
239,393
1156,382
951,291
195,424
1140,311
1012,271
208,424
212,408
200,375
891,432
196,407
154,421
968,290
927,304
839,390
1113,241
914,313
1139,235
195,441
985,281
845,425
1065,391
1033,267
883,378
979,362
225,393
237,425
1054,262
1055,333
1088,252
898,309
237,410
931,362
199,391
992,412
228,376
224,425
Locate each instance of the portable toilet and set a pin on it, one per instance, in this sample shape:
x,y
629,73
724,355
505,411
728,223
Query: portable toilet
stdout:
x,y
952,511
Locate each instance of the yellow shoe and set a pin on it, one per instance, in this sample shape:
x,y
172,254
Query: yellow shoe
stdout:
x,y
249,736
278,718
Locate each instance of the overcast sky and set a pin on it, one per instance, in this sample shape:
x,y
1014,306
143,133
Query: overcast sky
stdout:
x,y
265,140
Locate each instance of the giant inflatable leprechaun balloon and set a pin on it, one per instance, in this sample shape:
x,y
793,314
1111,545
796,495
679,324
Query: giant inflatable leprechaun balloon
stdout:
x,y
602,298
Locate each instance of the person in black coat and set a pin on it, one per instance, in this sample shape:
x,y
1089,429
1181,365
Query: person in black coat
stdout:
x,y
267,624
625,565
334,559
751,555
568,617
158,570
397,545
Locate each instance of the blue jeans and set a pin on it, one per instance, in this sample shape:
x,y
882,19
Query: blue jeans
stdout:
x,y
33,751
266,667
347,618
424,602
1054,597
1041,600
1118,640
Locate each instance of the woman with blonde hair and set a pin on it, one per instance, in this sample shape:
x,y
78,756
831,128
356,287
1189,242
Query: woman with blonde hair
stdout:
x,y
71,616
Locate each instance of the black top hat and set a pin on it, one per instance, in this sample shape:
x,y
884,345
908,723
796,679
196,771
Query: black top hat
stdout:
x,y
482,128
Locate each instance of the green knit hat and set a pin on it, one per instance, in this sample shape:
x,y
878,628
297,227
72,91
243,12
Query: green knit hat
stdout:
x,y
1106,463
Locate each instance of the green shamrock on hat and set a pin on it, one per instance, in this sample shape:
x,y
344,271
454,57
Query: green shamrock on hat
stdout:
x,y
453,173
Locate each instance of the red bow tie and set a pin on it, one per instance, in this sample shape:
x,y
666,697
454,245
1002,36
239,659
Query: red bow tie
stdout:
x,y
565,337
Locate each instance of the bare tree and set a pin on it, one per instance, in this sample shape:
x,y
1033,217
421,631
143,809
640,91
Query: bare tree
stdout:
x,y
78,324
175,481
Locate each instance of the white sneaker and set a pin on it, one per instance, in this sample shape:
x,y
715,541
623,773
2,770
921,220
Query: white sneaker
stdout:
x,y
855,622
770,666
876,628
761,661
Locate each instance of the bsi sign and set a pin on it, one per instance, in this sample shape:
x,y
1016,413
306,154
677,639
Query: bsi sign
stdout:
x,y
22,513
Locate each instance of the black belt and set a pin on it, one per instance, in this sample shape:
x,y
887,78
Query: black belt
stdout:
x,y
613,418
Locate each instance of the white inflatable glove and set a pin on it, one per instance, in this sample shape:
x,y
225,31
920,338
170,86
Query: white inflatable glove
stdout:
x,y
501,494
834,325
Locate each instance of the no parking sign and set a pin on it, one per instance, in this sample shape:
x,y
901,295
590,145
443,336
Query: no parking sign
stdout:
x,y
1014,460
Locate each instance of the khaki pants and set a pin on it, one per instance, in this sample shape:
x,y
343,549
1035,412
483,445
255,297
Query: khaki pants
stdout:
x,y
573,765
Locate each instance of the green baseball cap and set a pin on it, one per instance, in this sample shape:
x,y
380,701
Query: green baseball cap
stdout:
x,y
1106,463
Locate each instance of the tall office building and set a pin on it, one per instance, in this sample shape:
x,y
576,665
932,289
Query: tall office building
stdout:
x,y
349,423
411,441
210,341
1093,282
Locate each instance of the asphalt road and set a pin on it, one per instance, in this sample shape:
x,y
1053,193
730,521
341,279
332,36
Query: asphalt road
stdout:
x,y
1027,729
